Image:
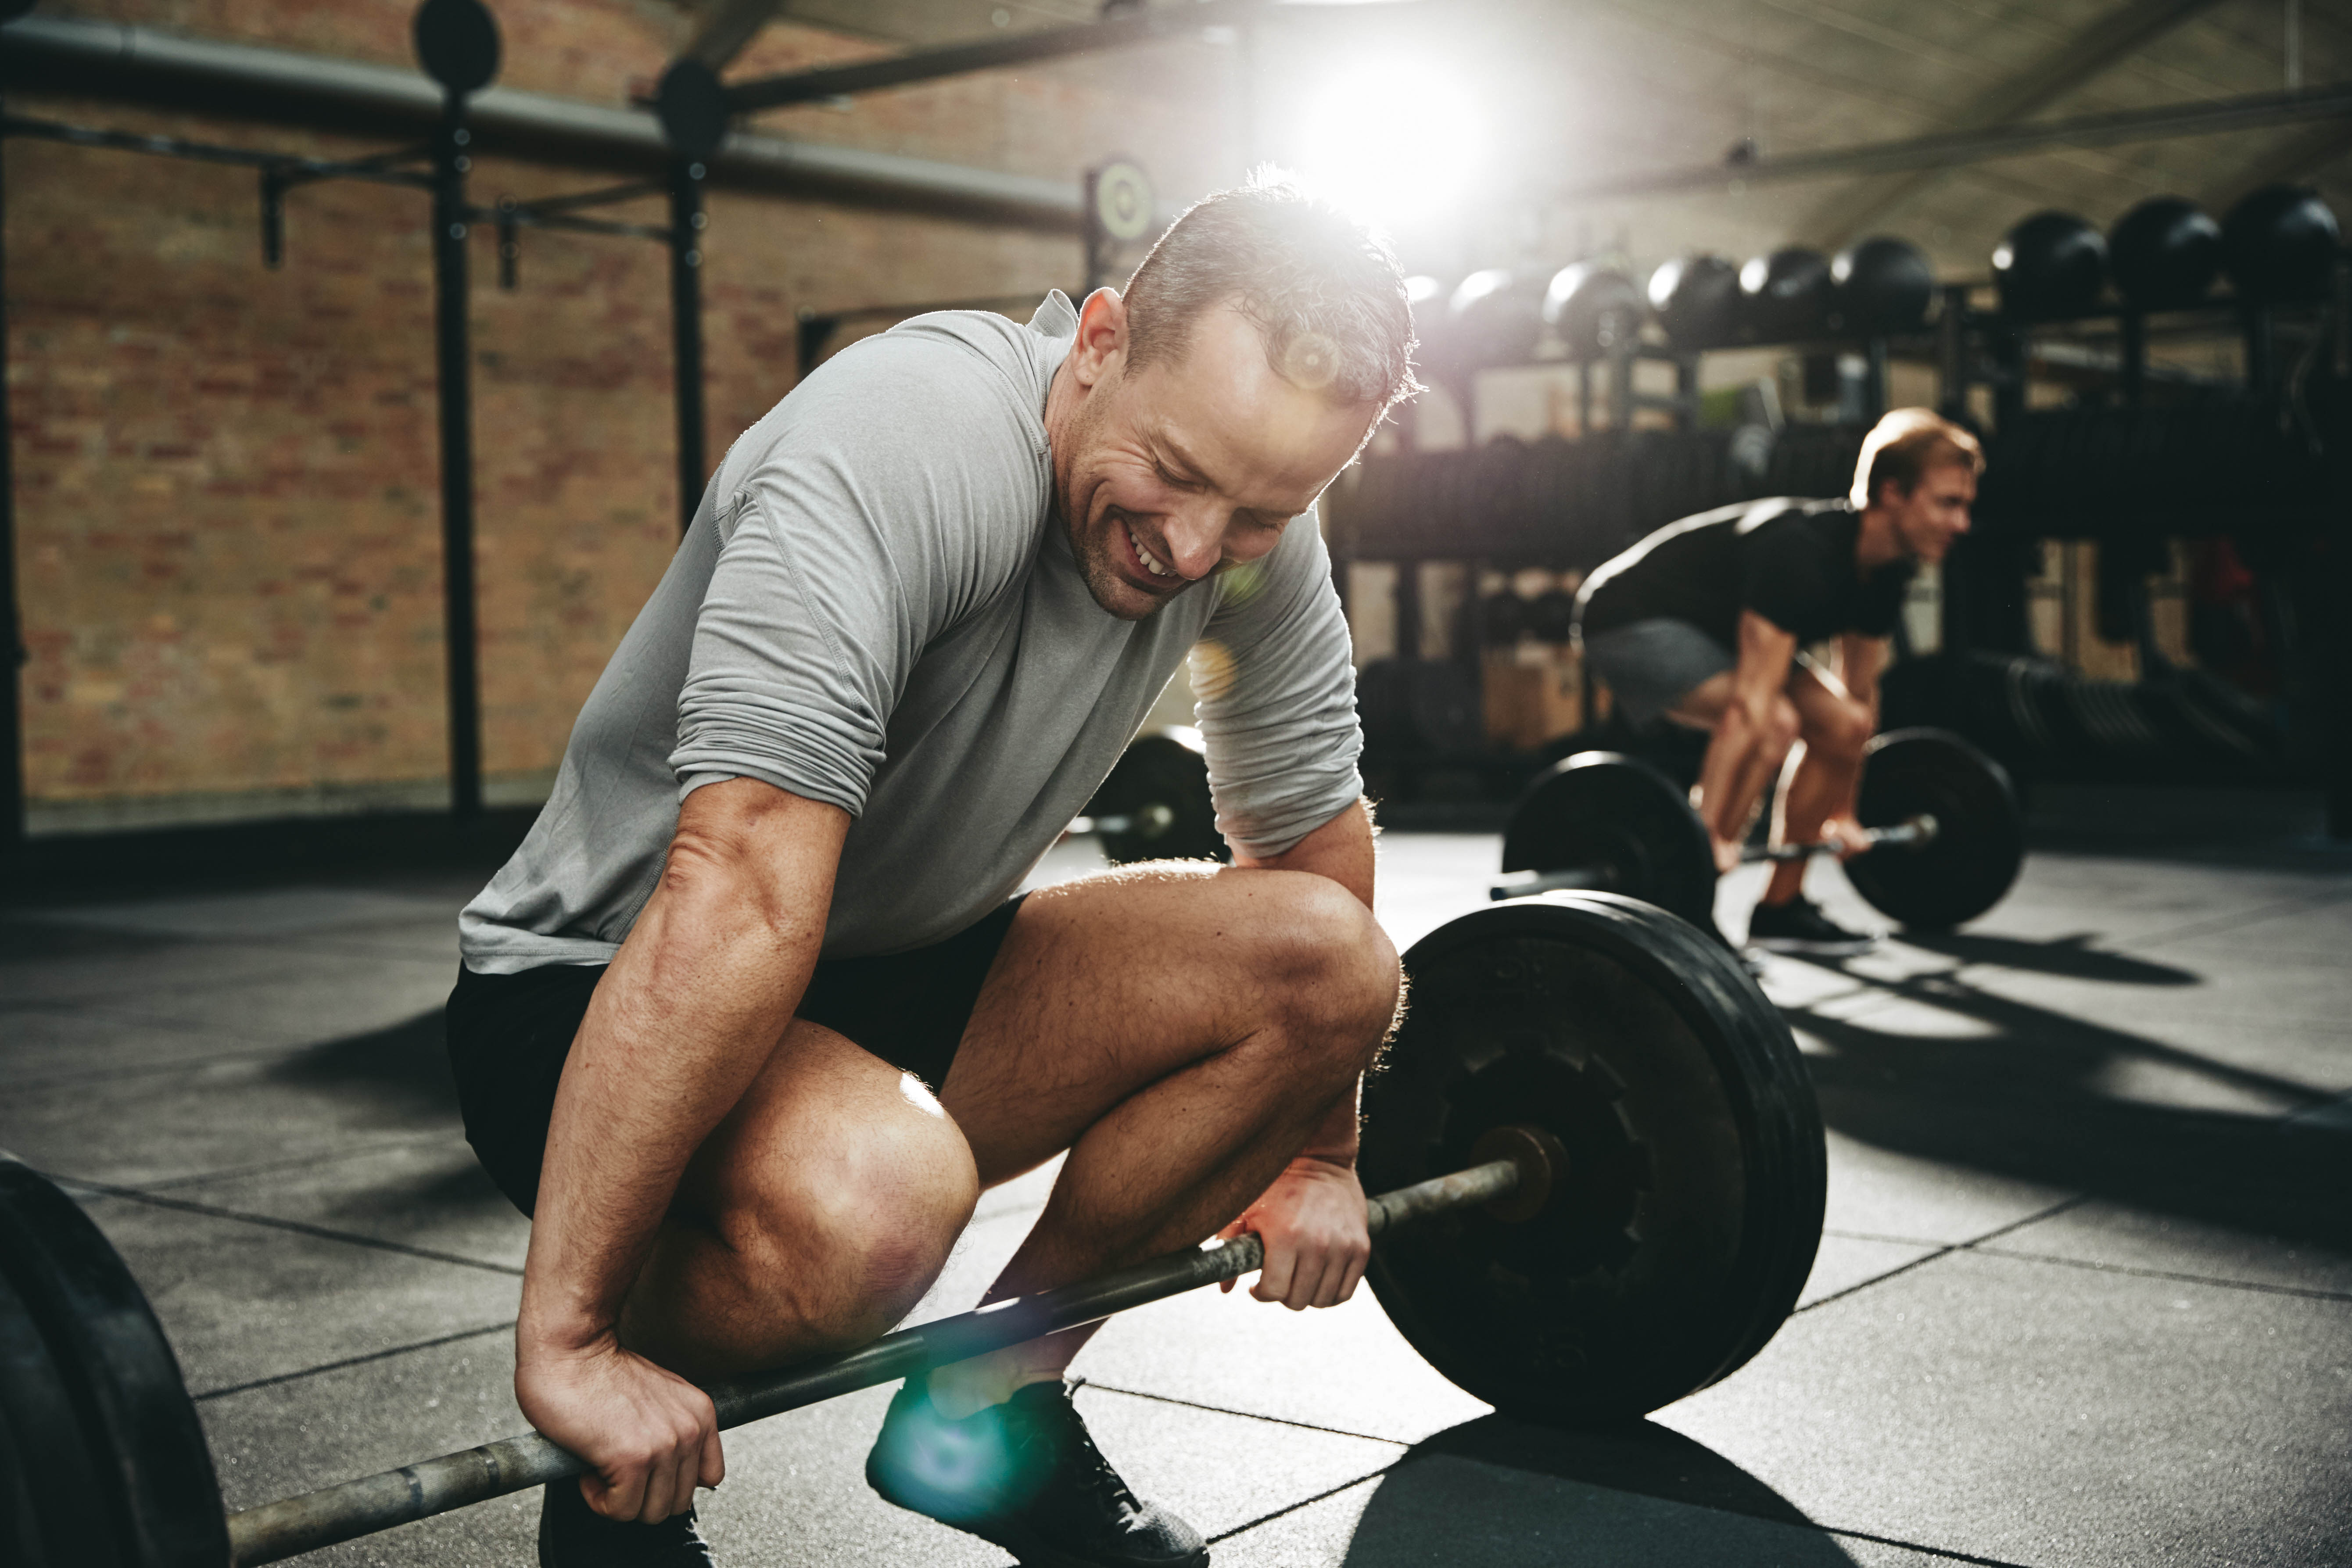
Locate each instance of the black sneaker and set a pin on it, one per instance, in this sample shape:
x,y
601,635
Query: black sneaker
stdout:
x,y
574,1535
1800,926
1025,1475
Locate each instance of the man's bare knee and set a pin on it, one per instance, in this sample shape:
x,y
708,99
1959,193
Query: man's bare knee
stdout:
x,y
1840,731
1338,977
842,1241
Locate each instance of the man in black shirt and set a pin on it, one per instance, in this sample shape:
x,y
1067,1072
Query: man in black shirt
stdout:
x,y
1706,622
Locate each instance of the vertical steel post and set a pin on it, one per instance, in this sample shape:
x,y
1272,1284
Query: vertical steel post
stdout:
x,y
453,369
2132,344
12,639
686,222
1952,353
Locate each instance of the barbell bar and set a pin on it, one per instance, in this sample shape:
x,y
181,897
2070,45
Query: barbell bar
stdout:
x,y
370,1504
1576,1288
1920,829
1149,821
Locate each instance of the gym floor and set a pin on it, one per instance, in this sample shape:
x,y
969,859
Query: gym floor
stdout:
x,y
2085,1296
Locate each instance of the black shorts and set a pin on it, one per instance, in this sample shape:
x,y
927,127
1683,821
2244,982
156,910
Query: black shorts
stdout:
x,y
509,1034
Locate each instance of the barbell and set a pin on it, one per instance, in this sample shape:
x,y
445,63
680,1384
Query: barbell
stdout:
x,y
1607,1175
1947,840
1154,804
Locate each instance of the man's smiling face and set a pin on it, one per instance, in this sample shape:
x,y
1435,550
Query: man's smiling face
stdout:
x,y
1165,475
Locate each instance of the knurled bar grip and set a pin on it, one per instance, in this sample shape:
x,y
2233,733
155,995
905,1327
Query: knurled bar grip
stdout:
x,y
372,1503
1919,830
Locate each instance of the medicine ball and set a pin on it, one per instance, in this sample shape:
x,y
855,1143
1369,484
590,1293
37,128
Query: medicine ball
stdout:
x,y
1497,316
2165,253
1592,308
2049,268
1883,286
2280,243
1698,301
1785,297
1426,297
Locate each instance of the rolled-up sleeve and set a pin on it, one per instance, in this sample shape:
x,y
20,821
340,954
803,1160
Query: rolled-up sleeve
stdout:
x,y
781,689
1274,690
867,527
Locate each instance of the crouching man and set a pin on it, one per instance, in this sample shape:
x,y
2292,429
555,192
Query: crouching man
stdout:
x,y
754,1014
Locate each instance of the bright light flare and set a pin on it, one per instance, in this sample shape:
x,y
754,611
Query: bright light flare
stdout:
x,y
1393,142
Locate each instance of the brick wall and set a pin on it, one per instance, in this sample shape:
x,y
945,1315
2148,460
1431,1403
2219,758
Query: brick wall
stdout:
x,y
226,478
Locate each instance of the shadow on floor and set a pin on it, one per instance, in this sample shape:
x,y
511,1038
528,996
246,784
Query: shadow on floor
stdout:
x,y
2028,1098
2071,958
1481,1492
402,1071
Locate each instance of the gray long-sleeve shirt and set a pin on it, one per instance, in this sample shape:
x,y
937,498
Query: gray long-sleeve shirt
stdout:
x,y
876,607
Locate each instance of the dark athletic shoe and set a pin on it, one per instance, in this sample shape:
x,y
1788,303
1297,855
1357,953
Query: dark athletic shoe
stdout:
x,y
1025,1475
574,1535
1800,926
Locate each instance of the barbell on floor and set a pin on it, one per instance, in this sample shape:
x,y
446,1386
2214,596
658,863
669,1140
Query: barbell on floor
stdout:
x,y
1607,1170
1601,821
1919,830
1155,804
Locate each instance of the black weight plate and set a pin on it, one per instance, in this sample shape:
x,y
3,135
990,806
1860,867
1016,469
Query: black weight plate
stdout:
x,y
1980,842
143,1437
1602,809
1160,769
1677,1241
58,1509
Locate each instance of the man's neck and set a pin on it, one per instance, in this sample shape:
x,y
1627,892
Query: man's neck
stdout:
x,y
1877,542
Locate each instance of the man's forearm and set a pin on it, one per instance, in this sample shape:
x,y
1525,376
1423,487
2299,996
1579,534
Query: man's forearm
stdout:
x,y
1731,755
1341,848
682,1022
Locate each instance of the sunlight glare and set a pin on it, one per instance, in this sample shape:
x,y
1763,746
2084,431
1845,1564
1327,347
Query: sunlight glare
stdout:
x,y
1392,142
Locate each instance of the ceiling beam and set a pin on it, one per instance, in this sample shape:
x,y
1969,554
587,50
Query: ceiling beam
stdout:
x,y
1955,149
729,26
2296,159
2122,32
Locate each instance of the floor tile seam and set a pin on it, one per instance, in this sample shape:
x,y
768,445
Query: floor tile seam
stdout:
x,y
1946,1249
69,1006
264,1167
158,1069
2258,1287
2136,1047
1288,1509
299,1227
1245,1415
1889,1240
2254,916
1949,1554
273,942
387,1353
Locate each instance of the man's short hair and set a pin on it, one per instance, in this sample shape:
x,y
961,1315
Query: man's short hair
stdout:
x,y
1323,292
1905,445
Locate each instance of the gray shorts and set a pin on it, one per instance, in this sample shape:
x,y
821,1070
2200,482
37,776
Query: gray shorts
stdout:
x,y
1650,666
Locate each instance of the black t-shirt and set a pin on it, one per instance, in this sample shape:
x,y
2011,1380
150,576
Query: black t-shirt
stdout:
x,y
1790,562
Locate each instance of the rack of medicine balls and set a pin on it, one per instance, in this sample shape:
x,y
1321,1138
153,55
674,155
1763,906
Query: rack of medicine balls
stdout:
x,y
2248,464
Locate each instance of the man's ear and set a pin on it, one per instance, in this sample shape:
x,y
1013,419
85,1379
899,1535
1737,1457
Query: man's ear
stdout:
x,y
1100,352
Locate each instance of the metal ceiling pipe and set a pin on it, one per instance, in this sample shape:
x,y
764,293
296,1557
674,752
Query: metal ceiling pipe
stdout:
x,y
1144,24
62,55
